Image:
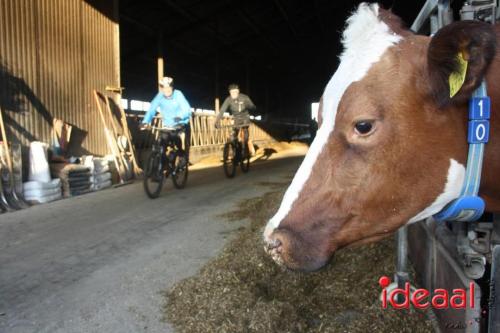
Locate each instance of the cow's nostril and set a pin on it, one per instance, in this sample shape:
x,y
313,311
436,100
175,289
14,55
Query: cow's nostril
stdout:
x,y
274,244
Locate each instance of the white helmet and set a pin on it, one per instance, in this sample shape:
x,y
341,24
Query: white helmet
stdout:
x,y
166,82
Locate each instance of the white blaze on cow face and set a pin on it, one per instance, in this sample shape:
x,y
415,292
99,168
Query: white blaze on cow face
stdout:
x,y
365,40
452,188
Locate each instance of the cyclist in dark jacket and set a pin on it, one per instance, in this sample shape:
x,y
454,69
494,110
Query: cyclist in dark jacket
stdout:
x,y
239,104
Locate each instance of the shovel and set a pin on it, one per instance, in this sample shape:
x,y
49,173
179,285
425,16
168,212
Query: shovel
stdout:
x,y
14,199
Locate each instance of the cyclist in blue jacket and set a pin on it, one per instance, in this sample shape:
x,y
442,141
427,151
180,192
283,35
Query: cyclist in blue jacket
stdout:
x,y
174,109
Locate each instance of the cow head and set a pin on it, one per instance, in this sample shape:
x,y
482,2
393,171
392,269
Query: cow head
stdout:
x,y
390,148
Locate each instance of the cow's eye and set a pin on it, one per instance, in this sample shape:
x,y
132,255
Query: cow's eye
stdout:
x,y
363,127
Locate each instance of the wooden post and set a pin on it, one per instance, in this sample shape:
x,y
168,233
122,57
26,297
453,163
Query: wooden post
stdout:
x,y
113,146
17,198
160,57
217,67
123,154
128,136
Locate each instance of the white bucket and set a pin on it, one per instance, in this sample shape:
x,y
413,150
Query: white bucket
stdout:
x,y
39,166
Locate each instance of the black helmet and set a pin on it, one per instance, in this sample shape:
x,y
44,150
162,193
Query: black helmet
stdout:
x,y
233,86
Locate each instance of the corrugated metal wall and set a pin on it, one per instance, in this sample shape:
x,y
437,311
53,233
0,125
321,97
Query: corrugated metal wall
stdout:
x,y
52,54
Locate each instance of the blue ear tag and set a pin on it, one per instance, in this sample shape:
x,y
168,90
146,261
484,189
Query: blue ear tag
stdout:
x,y
469,207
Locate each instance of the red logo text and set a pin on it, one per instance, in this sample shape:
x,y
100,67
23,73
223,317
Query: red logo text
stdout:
x,y
400,298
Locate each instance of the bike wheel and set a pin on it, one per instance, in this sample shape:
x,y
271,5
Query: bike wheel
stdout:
x,y
229,157
245,159
180,174
153,176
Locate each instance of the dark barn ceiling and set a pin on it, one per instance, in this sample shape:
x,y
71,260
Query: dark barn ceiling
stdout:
x,y
281,52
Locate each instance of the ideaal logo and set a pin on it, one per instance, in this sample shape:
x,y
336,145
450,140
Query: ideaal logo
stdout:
x,y
422,298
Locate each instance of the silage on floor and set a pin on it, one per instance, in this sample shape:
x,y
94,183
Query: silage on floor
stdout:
x,y
242,290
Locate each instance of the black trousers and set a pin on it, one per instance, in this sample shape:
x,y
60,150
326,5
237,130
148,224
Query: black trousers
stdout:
x,y
170,137
246,134
175,137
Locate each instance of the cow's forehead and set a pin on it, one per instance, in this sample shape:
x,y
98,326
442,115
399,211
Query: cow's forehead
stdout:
x,y
365,40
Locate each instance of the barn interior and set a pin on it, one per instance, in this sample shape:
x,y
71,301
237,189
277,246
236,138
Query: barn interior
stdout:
x,y
106,259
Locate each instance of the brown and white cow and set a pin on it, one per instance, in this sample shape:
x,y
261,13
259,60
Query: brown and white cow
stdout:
x,y
391,146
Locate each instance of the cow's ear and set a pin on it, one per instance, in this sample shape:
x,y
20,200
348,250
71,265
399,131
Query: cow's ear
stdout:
x,y
458,57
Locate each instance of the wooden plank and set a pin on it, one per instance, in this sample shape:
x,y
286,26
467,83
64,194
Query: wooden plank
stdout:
x,y
109,139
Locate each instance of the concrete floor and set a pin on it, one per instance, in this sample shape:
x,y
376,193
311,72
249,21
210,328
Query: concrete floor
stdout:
x,y
99,262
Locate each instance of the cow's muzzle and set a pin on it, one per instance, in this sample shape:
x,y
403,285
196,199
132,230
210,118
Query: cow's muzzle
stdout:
x,y
274,247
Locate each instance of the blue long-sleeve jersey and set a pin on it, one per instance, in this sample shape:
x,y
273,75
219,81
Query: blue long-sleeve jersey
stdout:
x,y
170,108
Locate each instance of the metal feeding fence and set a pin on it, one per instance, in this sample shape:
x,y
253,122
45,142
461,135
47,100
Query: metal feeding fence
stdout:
x,y
203,132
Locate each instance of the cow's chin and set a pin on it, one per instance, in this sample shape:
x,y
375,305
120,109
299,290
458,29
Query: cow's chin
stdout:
x,y
368,240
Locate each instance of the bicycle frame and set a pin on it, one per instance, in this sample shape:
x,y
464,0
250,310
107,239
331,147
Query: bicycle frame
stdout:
x,y
164,148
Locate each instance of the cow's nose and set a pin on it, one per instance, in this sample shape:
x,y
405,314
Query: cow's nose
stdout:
x,y
274,247
273,244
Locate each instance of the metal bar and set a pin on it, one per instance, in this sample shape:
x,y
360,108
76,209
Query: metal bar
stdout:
x,y
494,301
423,16
402,259
444,16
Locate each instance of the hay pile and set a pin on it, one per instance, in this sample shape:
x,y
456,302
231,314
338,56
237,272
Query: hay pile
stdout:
x,y
242,290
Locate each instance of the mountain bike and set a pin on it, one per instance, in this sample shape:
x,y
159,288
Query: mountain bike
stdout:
x,y
165,160
235,152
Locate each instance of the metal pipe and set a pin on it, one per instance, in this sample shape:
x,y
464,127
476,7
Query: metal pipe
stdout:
x,y
423,15
401,275
444,13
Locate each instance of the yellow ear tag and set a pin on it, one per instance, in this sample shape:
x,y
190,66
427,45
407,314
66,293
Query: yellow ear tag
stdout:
x,y
457,79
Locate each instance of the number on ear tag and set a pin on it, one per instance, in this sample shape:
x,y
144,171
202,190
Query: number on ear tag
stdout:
x,y
457,78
